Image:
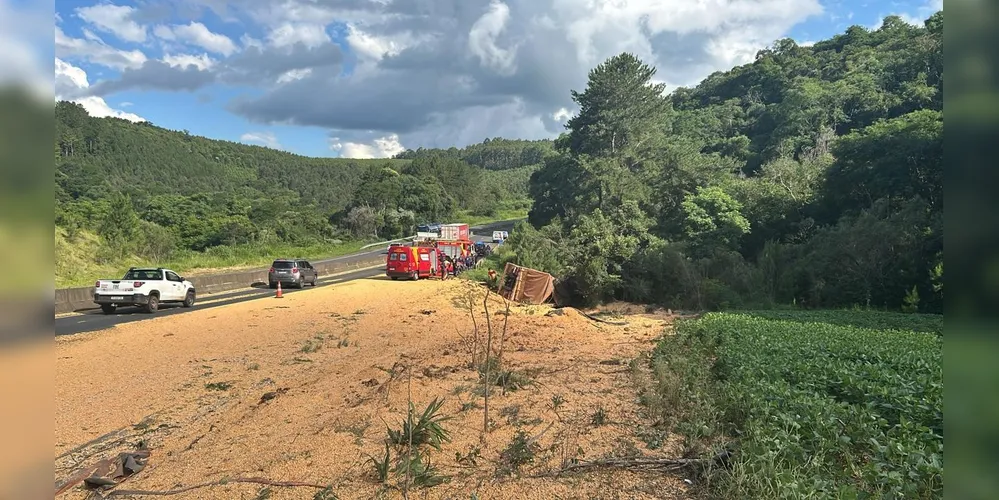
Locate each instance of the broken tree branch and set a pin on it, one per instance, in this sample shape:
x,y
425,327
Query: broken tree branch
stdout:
x,y
643,464
615,323
255,480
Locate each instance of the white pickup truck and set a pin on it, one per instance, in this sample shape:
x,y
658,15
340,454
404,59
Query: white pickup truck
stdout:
x,y
144,287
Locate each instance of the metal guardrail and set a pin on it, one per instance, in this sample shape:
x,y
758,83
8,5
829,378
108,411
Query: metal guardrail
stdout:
x,y
408,238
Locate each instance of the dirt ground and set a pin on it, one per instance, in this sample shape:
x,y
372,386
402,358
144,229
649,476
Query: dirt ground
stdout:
x,y
334,359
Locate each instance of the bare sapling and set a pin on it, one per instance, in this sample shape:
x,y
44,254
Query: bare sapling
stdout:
x,y
475,326
487,380
409,419
467,300
502,340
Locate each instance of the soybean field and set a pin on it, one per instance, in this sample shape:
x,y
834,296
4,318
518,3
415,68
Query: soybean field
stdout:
x,y
837,404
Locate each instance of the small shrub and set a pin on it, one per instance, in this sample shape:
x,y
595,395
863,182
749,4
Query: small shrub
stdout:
x,y
426,429
218,386
382,465
910,304
509,380
326,493
557,401
599,417
511,413
421,472
520,452
471,458
312,345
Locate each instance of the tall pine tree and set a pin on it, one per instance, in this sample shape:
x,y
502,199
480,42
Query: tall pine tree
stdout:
x,y
607,156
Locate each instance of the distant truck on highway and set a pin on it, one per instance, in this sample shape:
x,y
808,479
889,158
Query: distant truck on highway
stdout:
x,y
454,232
144,287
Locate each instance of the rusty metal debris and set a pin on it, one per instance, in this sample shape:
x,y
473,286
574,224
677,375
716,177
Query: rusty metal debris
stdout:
x,y
109,472
271,395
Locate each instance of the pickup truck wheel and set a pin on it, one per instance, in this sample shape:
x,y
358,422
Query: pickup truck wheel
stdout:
x,y
189,299
108,308
153,305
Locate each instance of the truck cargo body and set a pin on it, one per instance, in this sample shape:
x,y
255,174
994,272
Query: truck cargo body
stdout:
x,y
454,232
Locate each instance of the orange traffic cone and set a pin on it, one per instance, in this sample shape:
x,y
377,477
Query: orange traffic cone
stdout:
x,y
279,295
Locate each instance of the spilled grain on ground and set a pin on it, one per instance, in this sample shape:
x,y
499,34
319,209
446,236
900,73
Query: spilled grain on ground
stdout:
x,y
333,363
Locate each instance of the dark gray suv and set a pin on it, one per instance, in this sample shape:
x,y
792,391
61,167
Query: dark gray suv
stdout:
x,y
295,272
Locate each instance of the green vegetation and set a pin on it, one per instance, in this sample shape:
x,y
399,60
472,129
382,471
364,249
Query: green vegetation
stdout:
x,y
137,194
493,154
805,405
411,464
810,177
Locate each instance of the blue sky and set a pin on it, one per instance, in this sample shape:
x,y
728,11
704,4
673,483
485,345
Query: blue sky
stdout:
x,y
328,80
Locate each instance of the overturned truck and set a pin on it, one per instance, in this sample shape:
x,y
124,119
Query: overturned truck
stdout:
x,y
525,285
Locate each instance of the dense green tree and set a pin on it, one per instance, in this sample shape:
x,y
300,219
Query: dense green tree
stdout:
x,y
713,221
897,158
812,175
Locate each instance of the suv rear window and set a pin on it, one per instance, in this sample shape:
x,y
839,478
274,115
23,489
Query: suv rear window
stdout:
x,y
283,264
143,274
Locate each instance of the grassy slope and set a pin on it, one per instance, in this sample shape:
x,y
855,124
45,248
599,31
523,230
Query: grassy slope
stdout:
x,y
501,215
76,264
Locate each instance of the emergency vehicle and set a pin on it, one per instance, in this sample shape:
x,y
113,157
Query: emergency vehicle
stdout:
x,y
413,262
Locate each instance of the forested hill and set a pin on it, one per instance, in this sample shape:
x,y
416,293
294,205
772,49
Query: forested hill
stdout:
x,y
491,154
812,175
793,100
135,192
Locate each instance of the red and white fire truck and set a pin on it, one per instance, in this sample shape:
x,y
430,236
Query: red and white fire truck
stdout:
x,y
425,258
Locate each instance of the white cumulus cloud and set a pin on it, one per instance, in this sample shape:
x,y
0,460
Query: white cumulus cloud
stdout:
x,y
294,74
382,147
442,72
562,115
263,138
370,46
93,49
195,33
70,80
114,19
287,34
482,39
201,62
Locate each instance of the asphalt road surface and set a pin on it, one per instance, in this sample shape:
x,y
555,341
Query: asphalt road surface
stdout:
x,y
93,320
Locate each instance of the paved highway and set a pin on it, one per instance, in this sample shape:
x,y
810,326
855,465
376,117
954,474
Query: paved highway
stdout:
x,y
93,320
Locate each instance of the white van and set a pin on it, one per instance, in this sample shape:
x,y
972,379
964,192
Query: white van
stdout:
x,y
499,236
